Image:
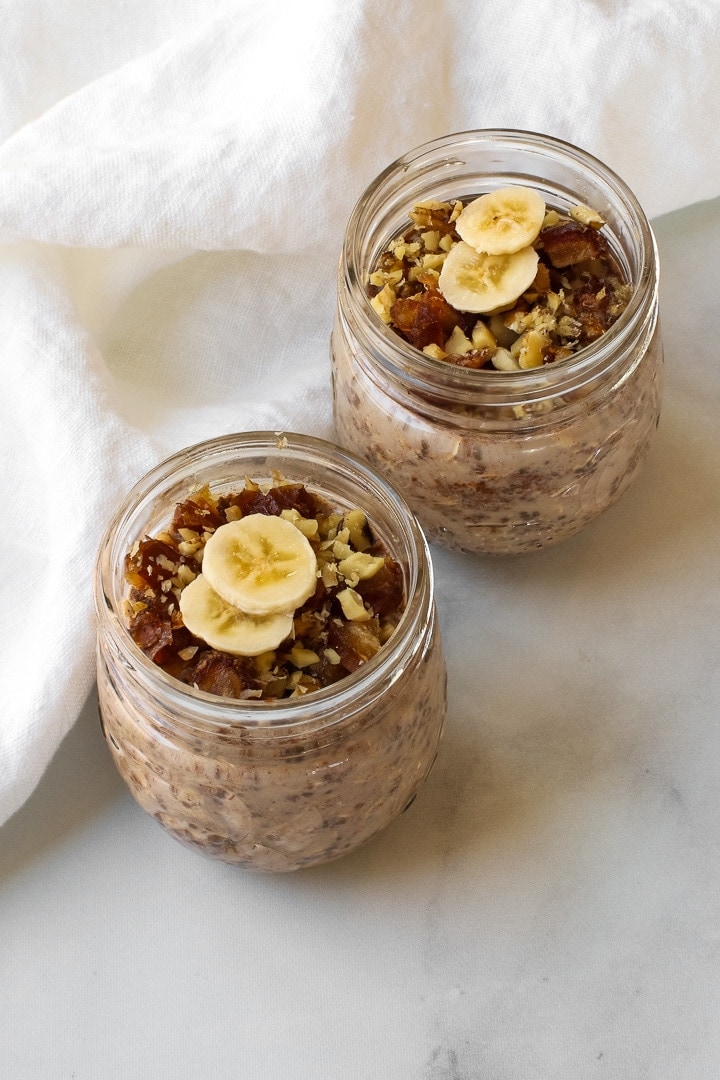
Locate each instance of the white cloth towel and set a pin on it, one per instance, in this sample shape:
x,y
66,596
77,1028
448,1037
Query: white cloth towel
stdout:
x,y
175,179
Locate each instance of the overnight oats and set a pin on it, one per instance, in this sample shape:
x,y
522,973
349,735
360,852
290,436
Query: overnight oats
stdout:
x,y
496,350
270,673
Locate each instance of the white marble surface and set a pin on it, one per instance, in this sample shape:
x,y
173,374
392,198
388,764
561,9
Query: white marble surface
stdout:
x,y
550,905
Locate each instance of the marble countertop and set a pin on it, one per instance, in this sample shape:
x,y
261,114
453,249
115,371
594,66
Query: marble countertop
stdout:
x,y
549,907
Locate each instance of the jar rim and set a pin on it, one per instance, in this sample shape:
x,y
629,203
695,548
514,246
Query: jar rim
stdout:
x,y
210,711
423,373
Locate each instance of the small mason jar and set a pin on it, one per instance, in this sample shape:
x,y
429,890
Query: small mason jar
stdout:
x,y
493,461
273,785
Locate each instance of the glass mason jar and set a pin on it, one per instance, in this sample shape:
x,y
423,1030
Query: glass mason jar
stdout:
x,y
273,785
493,461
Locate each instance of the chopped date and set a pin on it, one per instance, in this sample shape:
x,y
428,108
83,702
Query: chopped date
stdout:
x,y
153,562
198,514
274,501
226,676
424,319
354,642
592,302
384,590
326,673
151,632
570,242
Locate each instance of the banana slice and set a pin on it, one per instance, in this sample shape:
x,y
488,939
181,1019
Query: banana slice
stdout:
x,y
473,281
503,221
224,627
261,564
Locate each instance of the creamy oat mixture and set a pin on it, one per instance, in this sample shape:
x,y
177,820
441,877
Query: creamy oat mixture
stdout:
x,y
501,492
297,803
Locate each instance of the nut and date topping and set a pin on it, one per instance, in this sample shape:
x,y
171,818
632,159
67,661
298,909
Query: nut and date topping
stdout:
x,y
335,625
500,282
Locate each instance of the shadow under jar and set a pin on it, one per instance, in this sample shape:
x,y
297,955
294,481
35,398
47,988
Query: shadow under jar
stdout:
x,y
273,785
494,461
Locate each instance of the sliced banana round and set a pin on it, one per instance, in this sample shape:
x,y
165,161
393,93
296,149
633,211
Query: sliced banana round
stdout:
x,y
503,221
224,627
261,564
473,281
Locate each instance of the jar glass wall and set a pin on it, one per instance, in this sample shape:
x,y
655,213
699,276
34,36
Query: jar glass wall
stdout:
x,y
494,461
273,785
